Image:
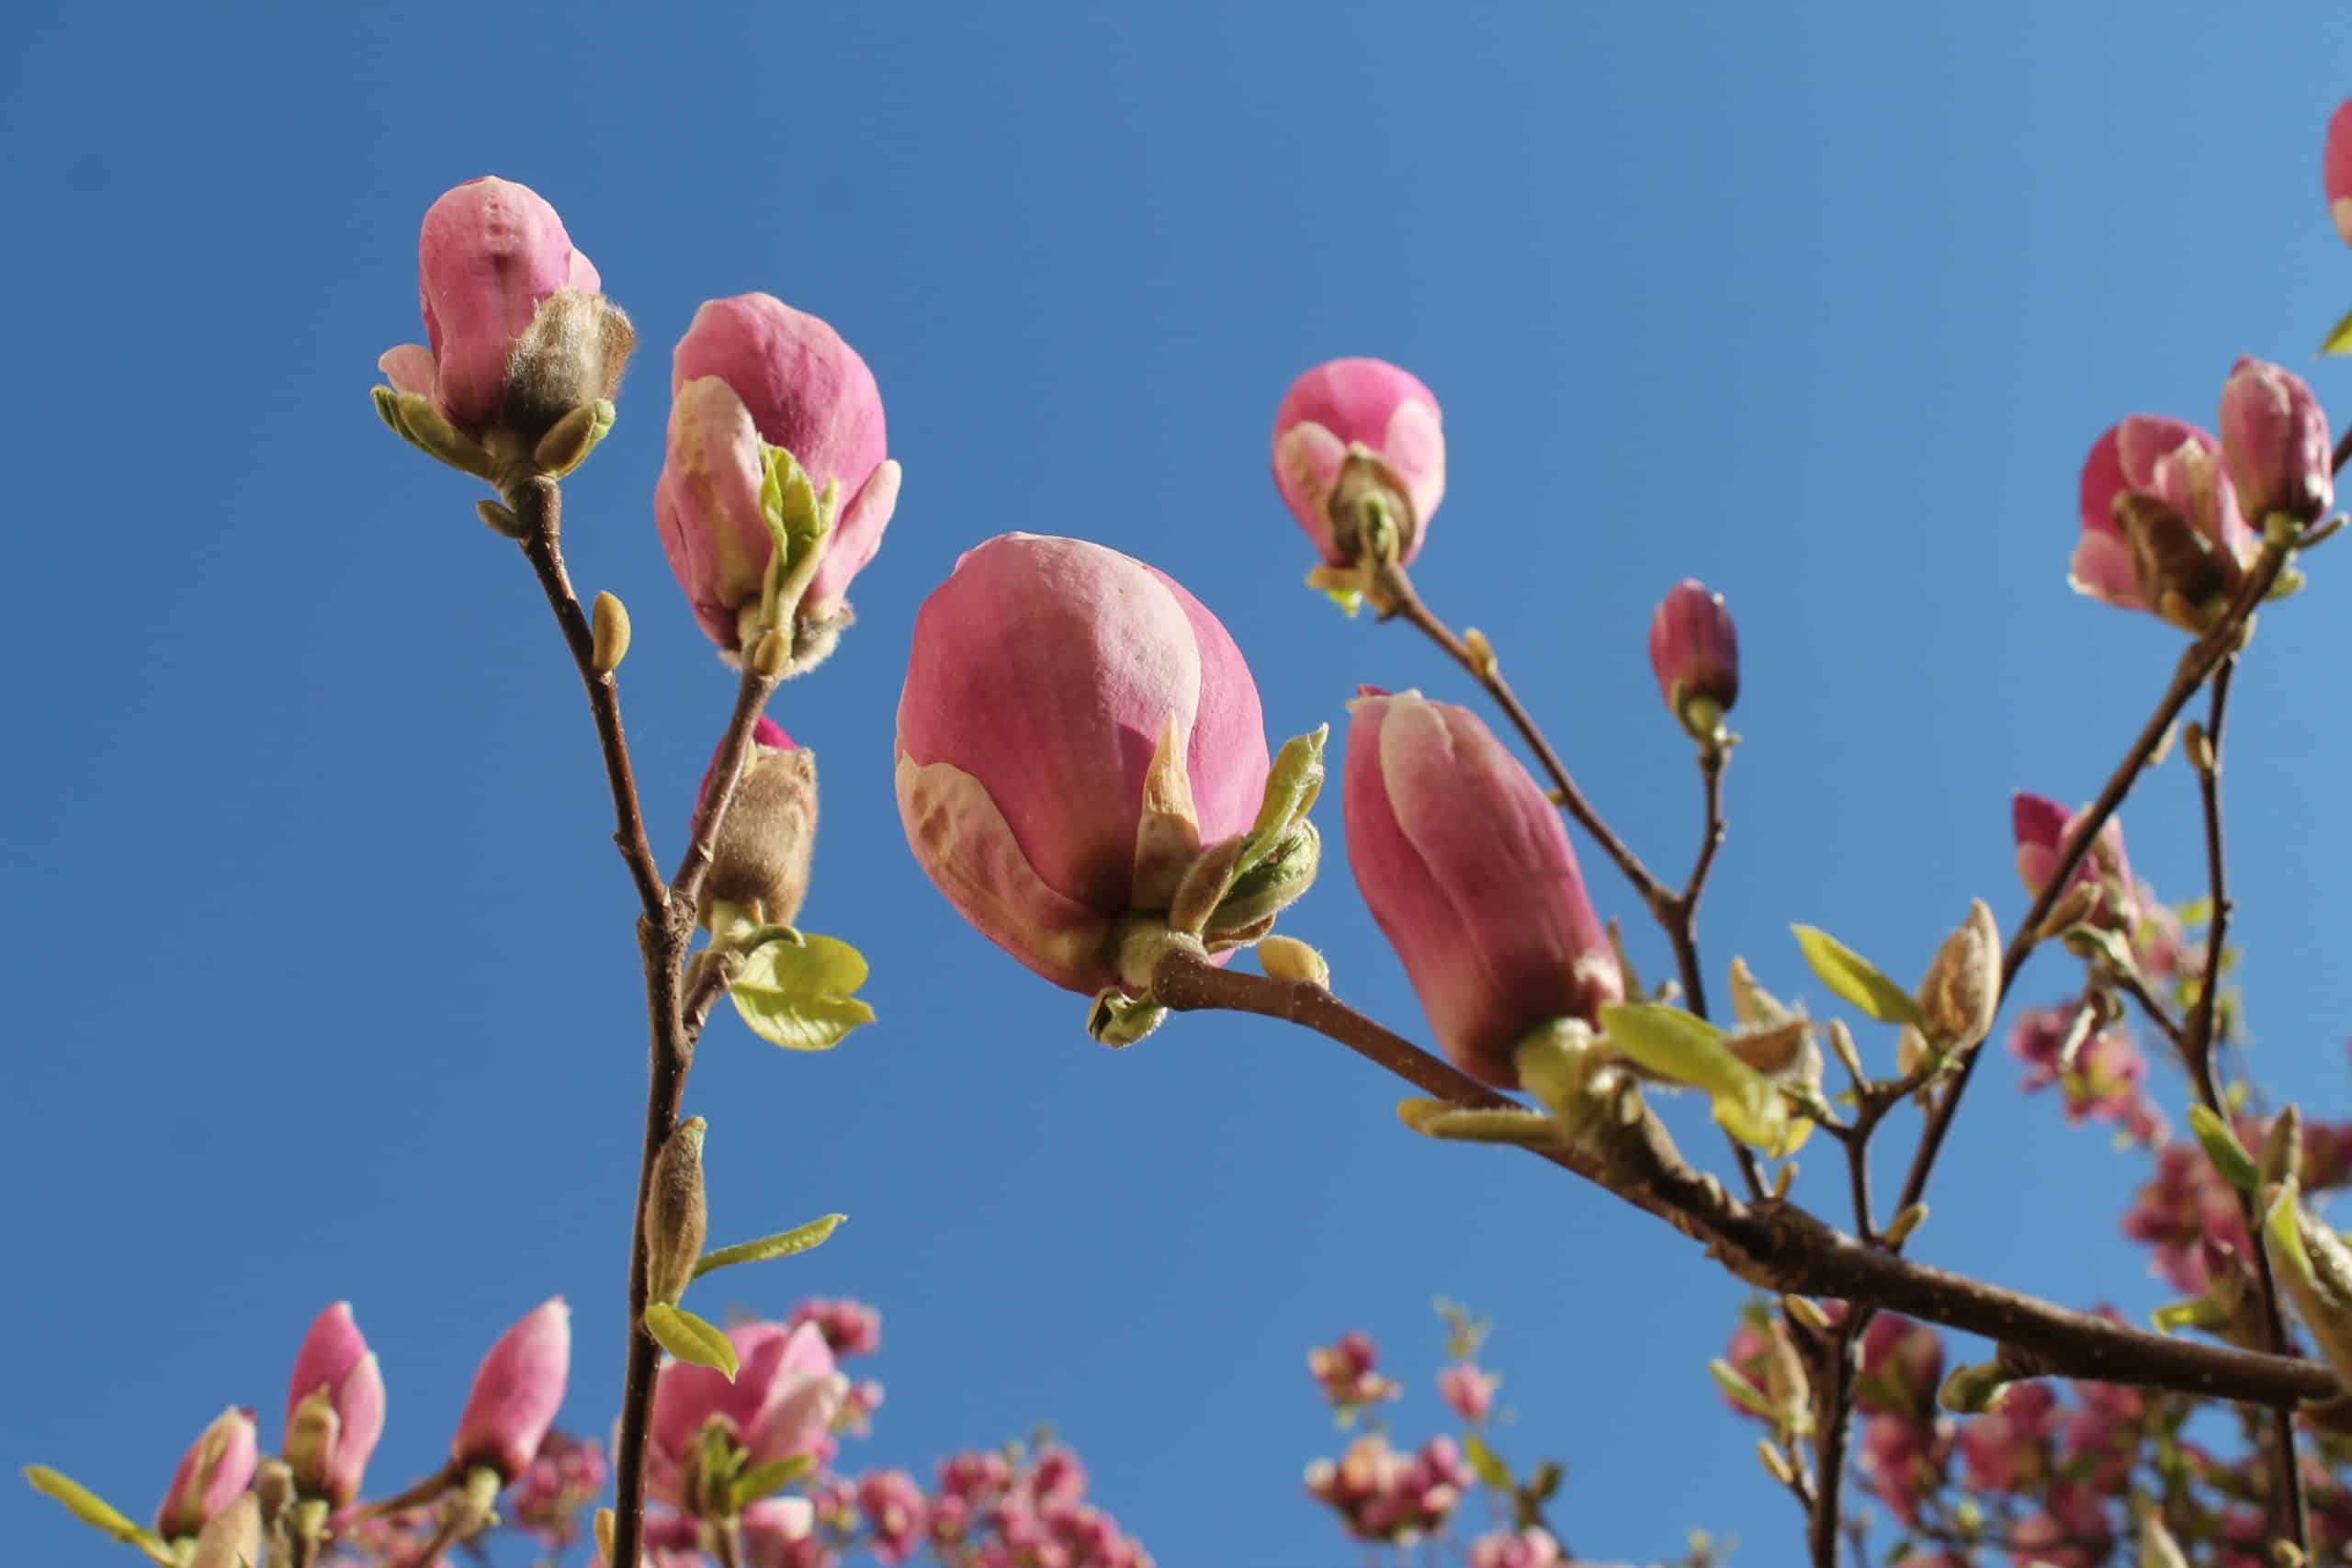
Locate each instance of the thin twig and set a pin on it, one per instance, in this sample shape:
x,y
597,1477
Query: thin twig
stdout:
x,y
1777,1248
2129,983
725,772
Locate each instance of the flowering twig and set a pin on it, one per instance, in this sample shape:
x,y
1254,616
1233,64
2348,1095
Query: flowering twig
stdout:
x,y
1780,1247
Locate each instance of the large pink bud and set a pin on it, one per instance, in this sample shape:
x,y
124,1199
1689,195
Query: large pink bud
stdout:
x,y
1047,675
1353,429
2275,434
780,1403
1694,653
2161,531
216,1469
519,332
516,1392
1468,870
334,1408
752,373
2336,169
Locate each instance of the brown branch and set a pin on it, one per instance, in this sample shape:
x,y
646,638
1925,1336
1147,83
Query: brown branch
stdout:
x,y
725,772
2153,1006
2288,1515
1779,1248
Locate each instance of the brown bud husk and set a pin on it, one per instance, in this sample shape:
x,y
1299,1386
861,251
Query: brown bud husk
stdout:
x,y
1962,989
231,1537
573,355
2180,575
760,860
2282,1148
677,1216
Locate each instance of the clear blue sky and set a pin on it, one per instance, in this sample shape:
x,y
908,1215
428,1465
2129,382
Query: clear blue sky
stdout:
x,y
319,969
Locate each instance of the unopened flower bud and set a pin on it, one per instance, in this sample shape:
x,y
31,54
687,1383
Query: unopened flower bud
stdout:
x,y
516,1392
2161,526
335,1408
232,1536
1351,435
608,635
1694,652
1962,989
2275,434
2336,169
1287,958
677,1216
760,859
218,1466
2282,1148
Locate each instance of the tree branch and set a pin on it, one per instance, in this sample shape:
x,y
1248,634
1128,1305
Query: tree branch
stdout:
x,y
725,772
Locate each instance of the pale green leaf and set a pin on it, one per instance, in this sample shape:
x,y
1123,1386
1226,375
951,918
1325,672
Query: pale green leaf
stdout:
x,y
1855,978
1485,1463
2283,1224
1745,1395
690,1339
813,967
2338,338
90,1508
766,1480
800,1023
2222,1146
1291,784
1684,1048
784,1244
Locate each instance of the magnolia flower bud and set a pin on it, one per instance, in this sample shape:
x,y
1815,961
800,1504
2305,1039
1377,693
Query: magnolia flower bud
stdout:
x,y
2275,434
232,1536
516,1391
2042,828
1694,651
218,1467
760,859
1468,871
520,336
335,1408
780,1403
1962,989
677,1217
752,375
1074,727
2161,531
2336,169
1354,430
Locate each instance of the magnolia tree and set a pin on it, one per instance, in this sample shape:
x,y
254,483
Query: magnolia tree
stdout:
x,y
1082,768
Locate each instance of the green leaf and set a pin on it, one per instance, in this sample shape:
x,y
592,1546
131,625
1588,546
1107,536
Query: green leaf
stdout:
x,y
90,1508
766,1480
1546,1481
813,967
2196,1313
2338,338
690,1339
2222,1146
1291,784
2283,1224
1485,1463
1855,978
1745,1395
1684,1048
784,1244
800,1023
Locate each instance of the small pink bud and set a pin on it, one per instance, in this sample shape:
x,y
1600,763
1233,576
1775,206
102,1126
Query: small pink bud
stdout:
x,y
1469,872
217,1467
1694,651
1045,677
491,256
2161,531
753,372
1353,430
2336,169
780,1403
335,1369
516,1393
760,859
2276,435
1468,1392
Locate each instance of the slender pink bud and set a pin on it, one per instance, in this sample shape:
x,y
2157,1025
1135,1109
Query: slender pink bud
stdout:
x,y
516,1393
336,1368
2187,546
753,372
1468,871
2336,169
491,256
760,859
1354,429
217,1467
1045,677
1694,651
780,1403
2276,435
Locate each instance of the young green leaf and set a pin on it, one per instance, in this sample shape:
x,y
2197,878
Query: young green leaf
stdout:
x,y
1684,1048
784,1244
93,1510
800,1023
1485,1463
813,967
691,1339
2222,1146
1856,978
765,1480
2338,338
1745,1395
1291,784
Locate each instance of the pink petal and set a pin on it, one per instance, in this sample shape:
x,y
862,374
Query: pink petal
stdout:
x,y
408,369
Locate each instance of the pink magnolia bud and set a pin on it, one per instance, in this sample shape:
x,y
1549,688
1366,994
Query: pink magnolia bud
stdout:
x,y
336,1377
1694,651
217,1467
516,1393
778,1533
780,1403
1468,871
1352,429
752,370
2276,435
1467,1391
760,859
2169,557
2336,169
1045,675
491,257
2042,827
